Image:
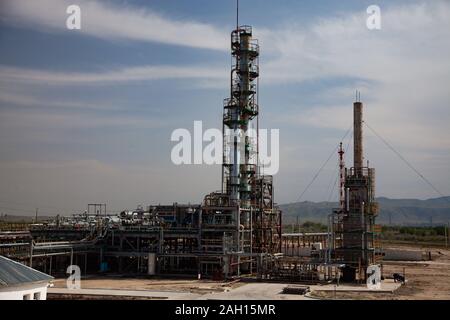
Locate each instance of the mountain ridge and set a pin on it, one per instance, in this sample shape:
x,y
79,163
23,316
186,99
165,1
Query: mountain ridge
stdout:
x,y
432,211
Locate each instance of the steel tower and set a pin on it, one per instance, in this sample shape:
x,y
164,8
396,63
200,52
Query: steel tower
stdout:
x,y
240,116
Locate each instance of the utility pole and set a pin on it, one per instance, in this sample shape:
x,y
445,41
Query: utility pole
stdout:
x,y
36,218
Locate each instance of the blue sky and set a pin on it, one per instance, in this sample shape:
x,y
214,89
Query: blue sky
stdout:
x,y
86,115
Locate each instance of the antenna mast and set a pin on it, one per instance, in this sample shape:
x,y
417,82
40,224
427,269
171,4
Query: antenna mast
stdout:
x,y
237,14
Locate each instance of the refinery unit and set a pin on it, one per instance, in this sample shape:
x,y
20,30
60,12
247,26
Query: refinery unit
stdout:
x,y
234,232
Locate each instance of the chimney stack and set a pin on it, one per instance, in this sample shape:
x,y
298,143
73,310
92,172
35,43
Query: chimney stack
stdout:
x,y
358,136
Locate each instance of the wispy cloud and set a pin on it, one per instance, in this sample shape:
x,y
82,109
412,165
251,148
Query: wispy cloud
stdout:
x,y
411,41
19,120
114,22
28,100
127,74
403,70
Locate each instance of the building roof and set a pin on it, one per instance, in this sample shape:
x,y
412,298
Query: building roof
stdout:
x,y
13,273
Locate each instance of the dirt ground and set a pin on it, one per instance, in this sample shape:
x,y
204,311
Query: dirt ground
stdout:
x,y
193,286
60,297
426,280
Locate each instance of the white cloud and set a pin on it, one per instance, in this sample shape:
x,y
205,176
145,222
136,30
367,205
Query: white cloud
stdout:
x,y
140,73
29,100
403,71
16,120
114,22
411,39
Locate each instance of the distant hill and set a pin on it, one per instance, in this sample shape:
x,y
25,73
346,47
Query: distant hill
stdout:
x,y
401,211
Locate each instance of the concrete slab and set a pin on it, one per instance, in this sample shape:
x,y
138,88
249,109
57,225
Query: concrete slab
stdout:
x,y
256,291
126,293
403,255
387,286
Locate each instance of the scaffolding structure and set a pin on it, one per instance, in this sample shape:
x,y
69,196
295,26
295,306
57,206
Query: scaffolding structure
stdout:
x,y
242,220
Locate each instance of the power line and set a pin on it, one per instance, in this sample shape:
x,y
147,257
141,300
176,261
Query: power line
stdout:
x,y
316,175
337,176
323,166
332,184
405,161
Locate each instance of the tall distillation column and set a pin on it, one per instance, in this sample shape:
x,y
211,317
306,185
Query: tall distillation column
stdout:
x,y
240,110
240,167
242,220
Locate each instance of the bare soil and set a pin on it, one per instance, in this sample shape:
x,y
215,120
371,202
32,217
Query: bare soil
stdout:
x,y
194,286
426,280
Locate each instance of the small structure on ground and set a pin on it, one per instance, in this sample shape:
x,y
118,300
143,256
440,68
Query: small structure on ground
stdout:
x,y
20,282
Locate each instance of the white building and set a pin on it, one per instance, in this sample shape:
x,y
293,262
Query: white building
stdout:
x,y
19,282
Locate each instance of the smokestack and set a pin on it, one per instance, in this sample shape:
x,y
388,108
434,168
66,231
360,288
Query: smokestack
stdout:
x,y
358,136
